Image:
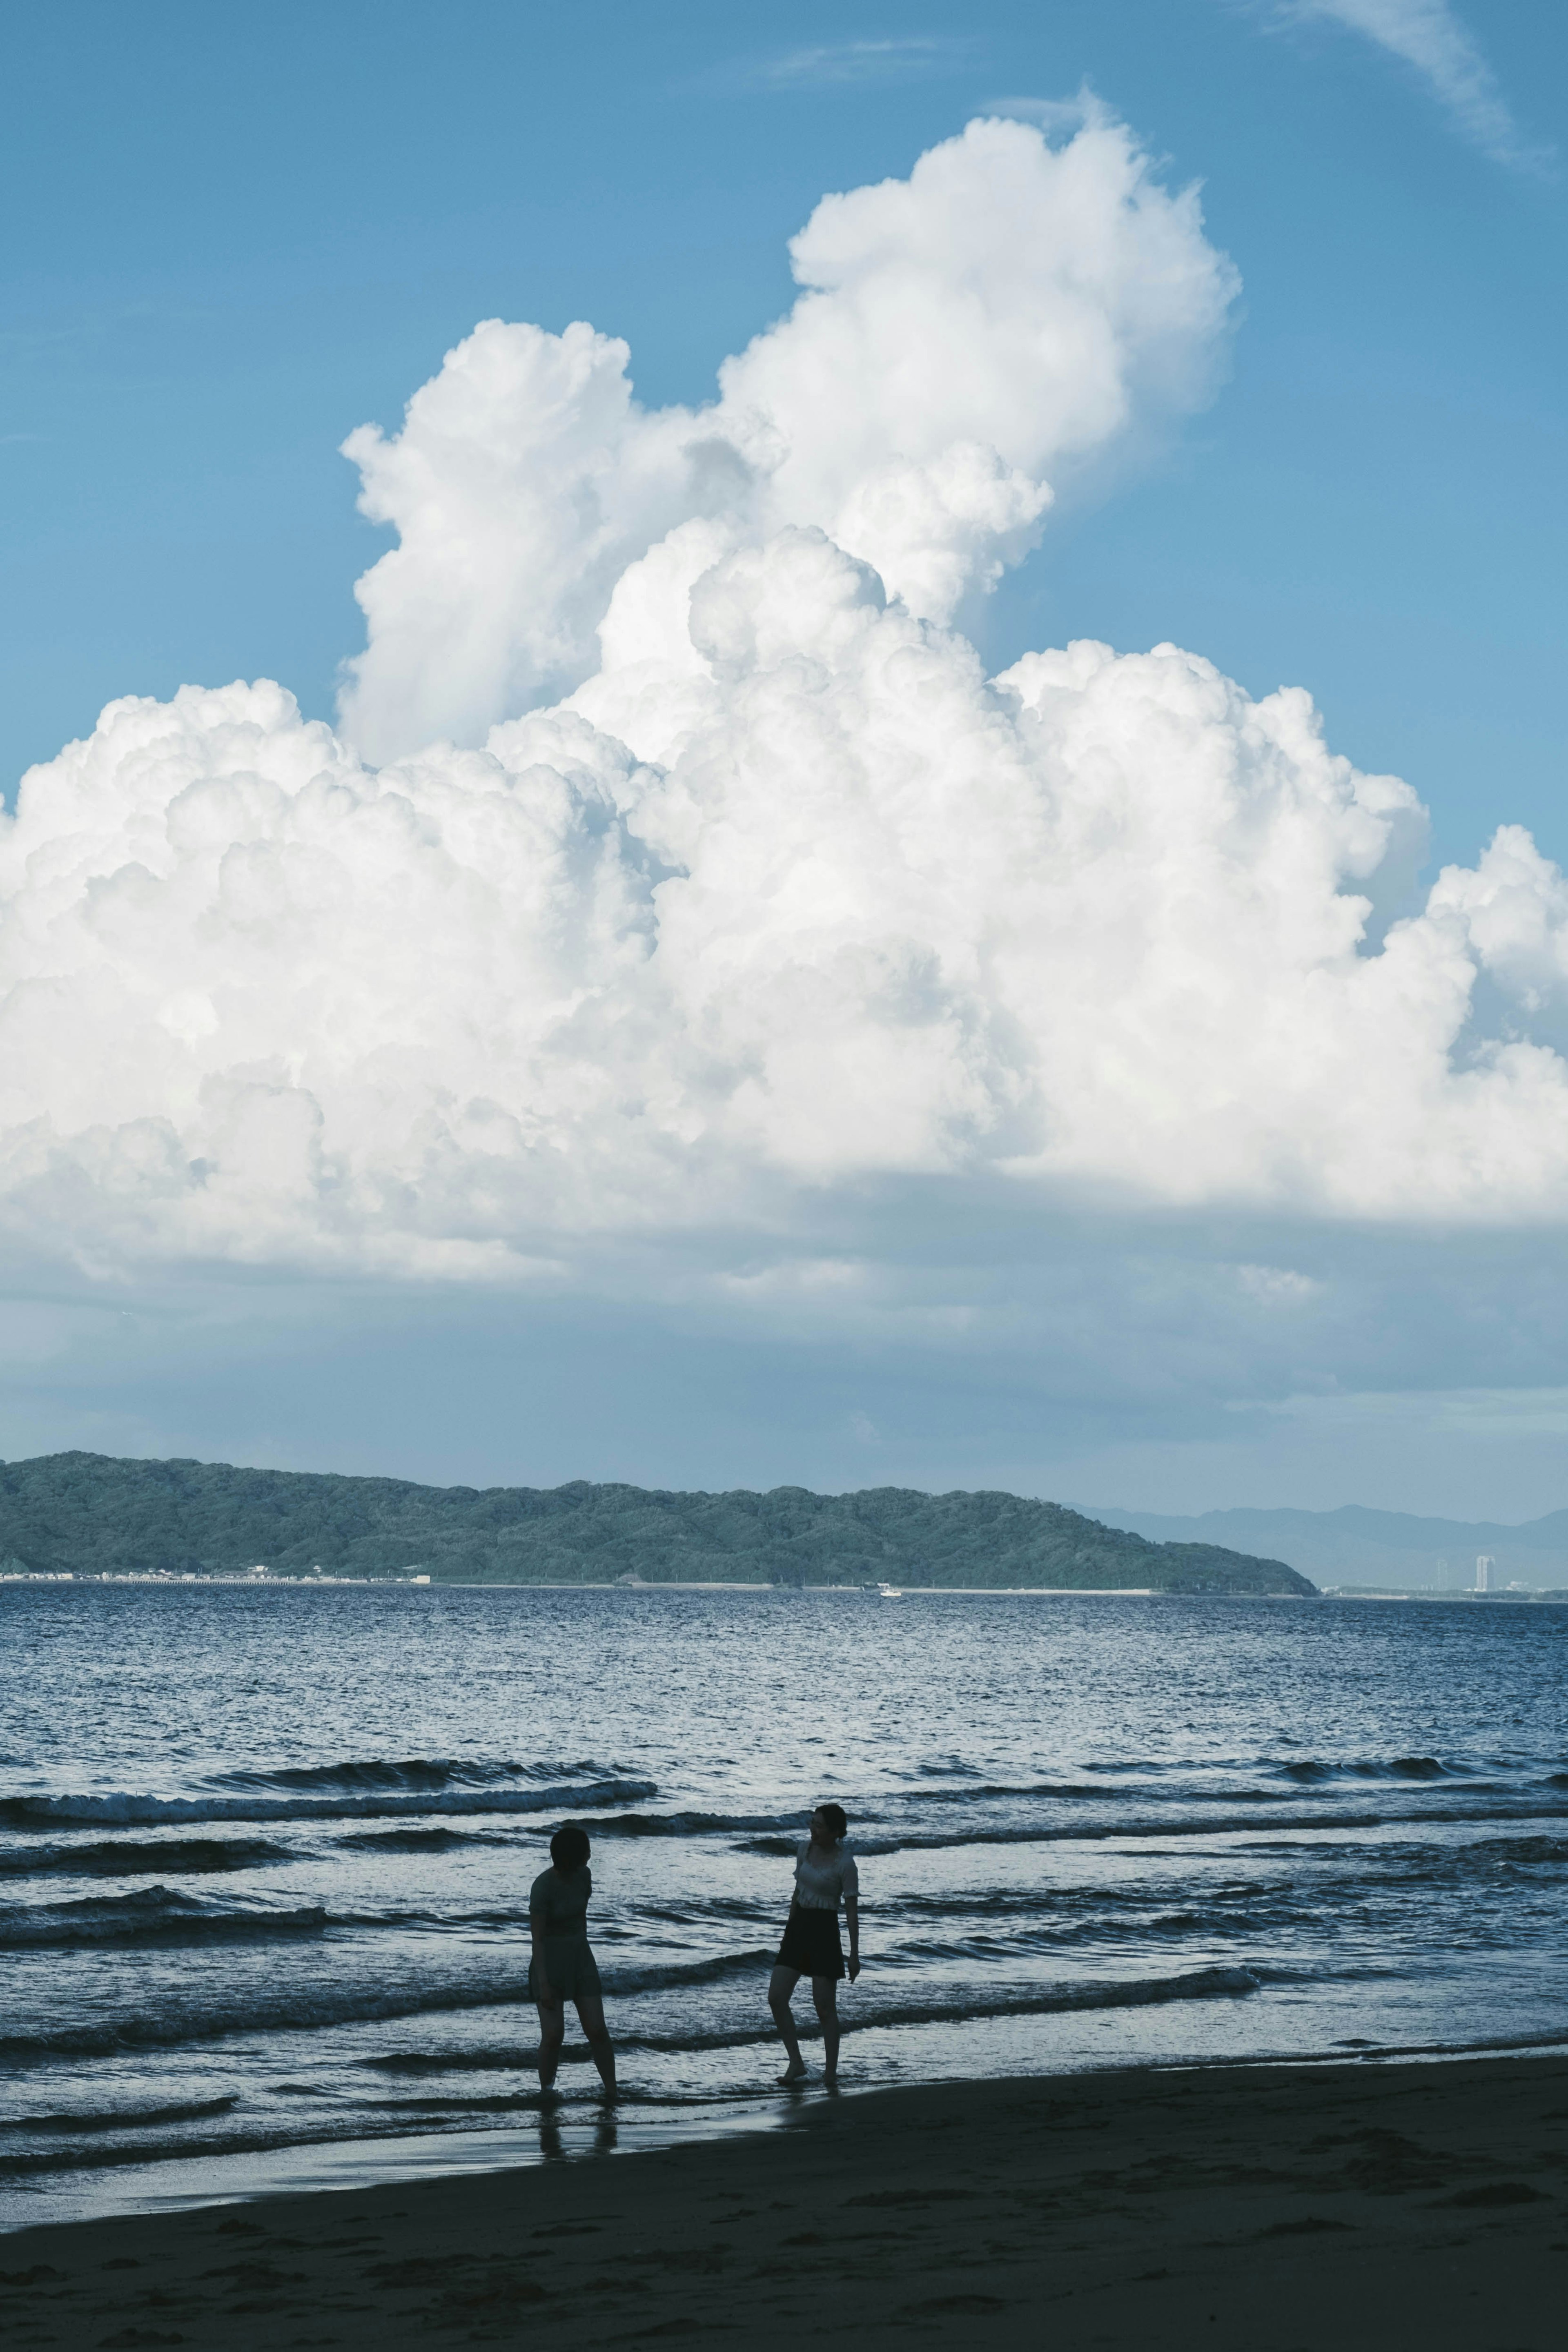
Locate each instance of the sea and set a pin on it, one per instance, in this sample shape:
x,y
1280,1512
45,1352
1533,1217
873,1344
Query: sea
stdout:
x,y
265,1854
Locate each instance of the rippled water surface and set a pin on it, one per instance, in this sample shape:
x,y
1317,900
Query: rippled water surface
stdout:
x,y
265,1854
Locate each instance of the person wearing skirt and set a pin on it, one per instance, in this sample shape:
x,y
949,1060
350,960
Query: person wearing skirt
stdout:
x,y
563,1968
825,1876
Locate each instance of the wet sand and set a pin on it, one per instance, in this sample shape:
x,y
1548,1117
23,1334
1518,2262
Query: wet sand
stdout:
x,y
1333,2209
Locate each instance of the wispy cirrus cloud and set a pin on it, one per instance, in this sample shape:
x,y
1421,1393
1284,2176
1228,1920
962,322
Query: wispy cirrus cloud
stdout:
x,y
1429,36
859,61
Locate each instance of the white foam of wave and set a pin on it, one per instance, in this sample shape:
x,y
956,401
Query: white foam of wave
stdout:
x,y
137,1807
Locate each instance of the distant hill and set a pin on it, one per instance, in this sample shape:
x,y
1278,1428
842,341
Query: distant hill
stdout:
x,y
1353,1546
85,1512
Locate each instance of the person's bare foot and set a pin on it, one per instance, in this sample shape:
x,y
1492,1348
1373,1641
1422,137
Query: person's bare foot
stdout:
x,y
794,2075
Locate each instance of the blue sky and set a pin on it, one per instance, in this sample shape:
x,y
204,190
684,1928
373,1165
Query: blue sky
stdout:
x,y
235,236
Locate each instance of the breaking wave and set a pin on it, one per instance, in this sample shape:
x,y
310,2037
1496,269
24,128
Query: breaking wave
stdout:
x,y
437,1841
151,1914
169,2024
131,1858
114,2119
323,2005
285,2008
1199,1823
338,1791
700,1824
423,1773
1138,1992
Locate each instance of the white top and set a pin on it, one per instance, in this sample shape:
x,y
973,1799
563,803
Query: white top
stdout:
x,y
822,1886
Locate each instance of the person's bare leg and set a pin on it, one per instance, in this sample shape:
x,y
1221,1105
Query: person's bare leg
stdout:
x,y
824,1994
552,2034
591,2017
781,1984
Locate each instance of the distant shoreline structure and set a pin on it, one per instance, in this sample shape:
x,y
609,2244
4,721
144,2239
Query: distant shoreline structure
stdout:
x,y
167,1581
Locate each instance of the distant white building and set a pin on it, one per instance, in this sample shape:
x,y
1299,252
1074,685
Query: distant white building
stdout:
x,y
1485,1564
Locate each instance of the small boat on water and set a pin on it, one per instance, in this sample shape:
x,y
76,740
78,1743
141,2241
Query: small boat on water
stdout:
x,y
889,1591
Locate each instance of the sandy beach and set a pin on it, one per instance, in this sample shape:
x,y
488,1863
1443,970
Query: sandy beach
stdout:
x,y
1297,2209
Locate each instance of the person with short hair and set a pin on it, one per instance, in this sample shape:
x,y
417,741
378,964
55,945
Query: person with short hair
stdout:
x,y
563,1968
825,1876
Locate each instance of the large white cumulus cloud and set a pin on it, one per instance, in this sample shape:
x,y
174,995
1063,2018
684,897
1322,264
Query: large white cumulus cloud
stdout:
x,y
1008,312
787,895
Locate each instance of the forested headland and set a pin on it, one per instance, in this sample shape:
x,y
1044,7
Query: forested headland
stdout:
x,y
86,1514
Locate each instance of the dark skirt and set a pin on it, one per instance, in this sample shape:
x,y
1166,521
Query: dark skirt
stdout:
x,y
811,1943
572,1973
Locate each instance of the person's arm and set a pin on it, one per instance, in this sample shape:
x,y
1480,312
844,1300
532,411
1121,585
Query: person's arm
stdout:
x,y
850,1882
538,1928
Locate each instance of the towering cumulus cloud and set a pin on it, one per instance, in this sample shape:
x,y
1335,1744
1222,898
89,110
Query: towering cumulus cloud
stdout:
x,y
706,871
1004,314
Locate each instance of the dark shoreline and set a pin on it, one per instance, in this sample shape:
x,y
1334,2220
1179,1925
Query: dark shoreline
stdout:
x,y
1344,2205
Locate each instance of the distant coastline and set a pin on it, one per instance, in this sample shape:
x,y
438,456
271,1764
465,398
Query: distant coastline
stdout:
x,y
256,1582
166,1581
1355,1549
76,1516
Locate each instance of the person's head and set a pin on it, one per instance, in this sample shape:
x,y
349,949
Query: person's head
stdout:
x,y
570,1847
829,1824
